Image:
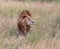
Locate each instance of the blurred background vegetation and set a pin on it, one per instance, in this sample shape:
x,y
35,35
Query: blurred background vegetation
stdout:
x,y
36,0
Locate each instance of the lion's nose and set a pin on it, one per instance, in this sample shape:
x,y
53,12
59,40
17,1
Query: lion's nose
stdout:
x,y
32,22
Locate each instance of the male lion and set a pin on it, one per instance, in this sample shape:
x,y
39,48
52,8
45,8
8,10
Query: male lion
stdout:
x,y
24,22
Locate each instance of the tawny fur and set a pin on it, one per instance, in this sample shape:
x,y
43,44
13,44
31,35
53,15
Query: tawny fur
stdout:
x,y
21,23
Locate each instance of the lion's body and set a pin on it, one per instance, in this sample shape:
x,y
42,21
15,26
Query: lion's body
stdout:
x,y
23,26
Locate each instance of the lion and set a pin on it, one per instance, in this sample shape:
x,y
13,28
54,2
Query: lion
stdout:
x,y
24,22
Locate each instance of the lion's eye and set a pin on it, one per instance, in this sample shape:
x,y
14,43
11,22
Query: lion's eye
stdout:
x,y
24,16
29,18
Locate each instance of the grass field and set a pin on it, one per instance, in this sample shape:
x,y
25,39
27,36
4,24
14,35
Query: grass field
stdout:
x,y
44,34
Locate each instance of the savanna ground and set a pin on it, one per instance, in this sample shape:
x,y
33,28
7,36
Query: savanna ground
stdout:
x,y
44,34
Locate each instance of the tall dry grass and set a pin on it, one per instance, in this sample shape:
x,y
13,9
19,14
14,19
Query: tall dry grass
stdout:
x,y
44,34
